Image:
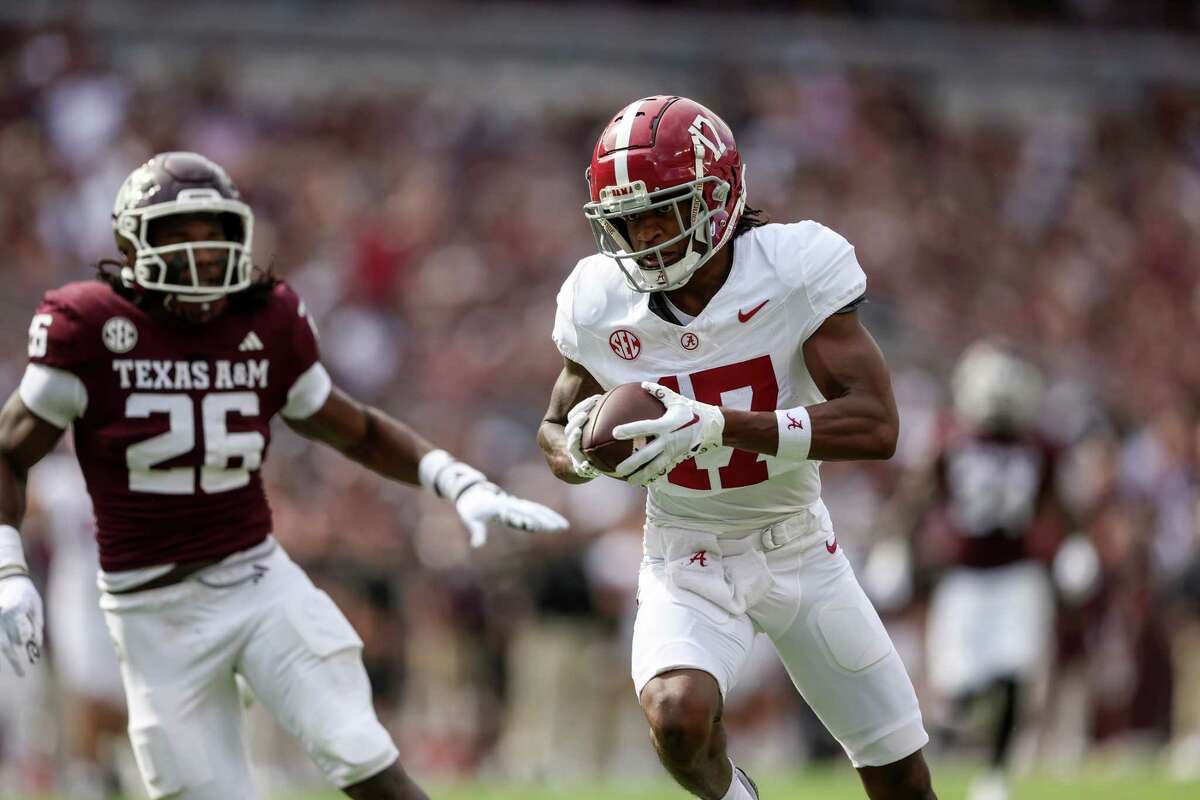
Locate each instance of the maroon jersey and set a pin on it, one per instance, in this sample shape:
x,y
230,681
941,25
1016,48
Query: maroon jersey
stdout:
x,y
177,420
991,492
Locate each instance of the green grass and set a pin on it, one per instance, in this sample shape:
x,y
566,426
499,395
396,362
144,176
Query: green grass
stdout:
x,y
1142,782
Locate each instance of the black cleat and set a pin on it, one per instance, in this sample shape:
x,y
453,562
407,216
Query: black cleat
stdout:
x,y
747,781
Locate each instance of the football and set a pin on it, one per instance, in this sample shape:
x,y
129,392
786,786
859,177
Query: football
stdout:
x,y
628,402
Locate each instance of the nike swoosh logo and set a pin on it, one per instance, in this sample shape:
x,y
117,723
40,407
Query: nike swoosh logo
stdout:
x,y
744,316
693,421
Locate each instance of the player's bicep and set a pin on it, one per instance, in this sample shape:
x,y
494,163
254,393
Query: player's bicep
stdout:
x,y
25,438
843,358
574,384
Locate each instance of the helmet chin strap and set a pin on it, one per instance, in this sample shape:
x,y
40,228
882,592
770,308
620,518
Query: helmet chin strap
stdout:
x,y
193,310
677,274
197,298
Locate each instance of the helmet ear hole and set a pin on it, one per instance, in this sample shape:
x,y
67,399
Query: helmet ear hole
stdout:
x,y
126,250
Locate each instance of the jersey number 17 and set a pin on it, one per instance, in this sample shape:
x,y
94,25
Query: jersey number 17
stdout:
x,y
727,385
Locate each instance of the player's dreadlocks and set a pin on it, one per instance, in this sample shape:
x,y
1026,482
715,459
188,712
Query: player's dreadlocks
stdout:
x,y
252,297
751,218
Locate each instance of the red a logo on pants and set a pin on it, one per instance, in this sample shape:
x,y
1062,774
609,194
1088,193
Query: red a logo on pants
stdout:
x,y
699,555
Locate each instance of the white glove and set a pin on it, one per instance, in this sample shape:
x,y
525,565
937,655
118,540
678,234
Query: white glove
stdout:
x,y
481,503
576,419
20,621
687,429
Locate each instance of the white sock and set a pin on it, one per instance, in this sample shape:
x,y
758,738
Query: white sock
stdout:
x,y
737,790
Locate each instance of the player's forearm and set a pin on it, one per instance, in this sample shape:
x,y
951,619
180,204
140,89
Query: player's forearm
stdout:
x,y
17,431
553,442
12,493
846,429
388,447
756,431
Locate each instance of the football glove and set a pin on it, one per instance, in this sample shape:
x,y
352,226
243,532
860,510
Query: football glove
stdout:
x,y
576,419
20,622
478,501
687,428
484,502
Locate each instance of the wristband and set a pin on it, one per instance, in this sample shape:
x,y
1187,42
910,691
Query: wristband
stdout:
x,y
795,434
430,465
12,556
13,571
441,474
11,552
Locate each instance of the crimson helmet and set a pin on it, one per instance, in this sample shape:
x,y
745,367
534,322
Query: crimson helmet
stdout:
x,y
181,183
657,152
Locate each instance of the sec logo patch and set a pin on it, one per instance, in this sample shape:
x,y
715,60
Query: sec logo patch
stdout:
x,y
119,335
625,344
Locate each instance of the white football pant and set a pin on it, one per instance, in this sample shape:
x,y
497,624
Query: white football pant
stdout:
x,y
257,615
702,599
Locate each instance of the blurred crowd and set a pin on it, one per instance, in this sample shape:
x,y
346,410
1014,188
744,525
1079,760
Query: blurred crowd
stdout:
x,y
429,238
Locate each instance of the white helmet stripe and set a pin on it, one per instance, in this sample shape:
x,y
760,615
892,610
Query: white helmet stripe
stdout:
x,y
621,163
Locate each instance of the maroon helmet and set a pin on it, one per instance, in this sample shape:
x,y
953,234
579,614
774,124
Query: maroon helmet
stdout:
x,y
182,183
657,152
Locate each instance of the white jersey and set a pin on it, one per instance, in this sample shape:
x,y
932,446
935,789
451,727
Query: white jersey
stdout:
x,y
743,352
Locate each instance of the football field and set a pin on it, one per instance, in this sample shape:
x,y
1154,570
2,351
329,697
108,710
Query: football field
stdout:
x,y
841,786
1095,783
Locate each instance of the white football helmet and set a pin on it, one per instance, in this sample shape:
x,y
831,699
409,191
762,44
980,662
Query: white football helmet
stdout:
x,y
995,388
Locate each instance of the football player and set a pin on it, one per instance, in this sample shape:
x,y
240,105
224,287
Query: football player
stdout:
x,y
169,372
992,524
749,334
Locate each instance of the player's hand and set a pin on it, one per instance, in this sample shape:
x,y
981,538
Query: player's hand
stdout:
x,y
687,429
576,419
20,622
486,502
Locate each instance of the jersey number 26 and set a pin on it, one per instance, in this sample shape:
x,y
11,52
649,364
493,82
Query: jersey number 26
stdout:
x,y
221,446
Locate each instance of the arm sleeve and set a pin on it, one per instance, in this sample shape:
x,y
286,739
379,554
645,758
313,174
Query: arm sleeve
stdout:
x,y
55,395
832,277
310,388
308,394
